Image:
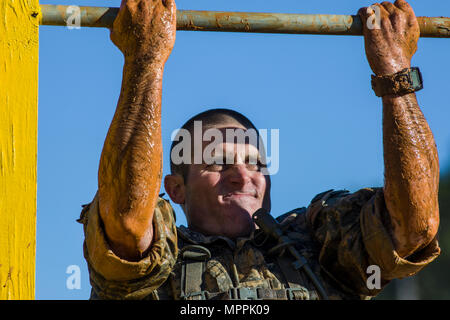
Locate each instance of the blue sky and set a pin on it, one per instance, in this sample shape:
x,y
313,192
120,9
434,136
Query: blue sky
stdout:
x,y
314,89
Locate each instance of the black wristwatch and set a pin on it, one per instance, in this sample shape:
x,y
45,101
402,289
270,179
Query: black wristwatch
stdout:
x,y
406,81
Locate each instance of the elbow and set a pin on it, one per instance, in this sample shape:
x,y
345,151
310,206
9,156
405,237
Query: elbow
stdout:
x,y
431,228
128,236
414,216
132,239
130,244
415,237
428,230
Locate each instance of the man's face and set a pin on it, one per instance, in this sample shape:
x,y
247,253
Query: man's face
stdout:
x,y
220,199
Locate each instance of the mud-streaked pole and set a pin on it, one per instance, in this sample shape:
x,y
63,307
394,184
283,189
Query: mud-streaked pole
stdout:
x,y
58,15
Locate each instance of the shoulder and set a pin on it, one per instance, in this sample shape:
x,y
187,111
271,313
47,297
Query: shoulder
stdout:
x,y
290,216
322,198
164,207
333,195
340,201
298,215
329,196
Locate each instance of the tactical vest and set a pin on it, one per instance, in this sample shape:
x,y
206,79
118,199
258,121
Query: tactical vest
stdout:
x,y
195,261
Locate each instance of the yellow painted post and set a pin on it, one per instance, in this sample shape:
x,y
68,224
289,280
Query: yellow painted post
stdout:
x,y
19,54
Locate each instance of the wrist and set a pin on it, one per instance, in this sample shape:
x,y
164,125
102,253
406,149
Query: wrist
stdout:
x,y
143,67
144,60
391,68
396,96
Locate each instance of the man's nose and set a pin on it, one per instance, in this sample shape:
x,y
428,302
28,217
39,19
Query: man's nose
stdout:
x,y
239,174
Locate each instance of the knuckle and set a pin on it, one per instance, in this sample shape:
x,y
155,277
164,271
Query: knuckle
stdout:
x,y
403,5
376,6
372,8
130,5
142,5
363,12
396,16
385,23
412,22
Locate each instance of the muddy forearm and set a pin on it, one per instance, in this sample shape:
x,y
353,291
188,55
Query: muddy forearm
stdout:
x,y
131,161
411,173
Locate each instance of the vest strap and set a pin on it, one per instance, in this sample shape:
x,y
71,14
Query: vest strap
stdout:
x,y
293,278
194,258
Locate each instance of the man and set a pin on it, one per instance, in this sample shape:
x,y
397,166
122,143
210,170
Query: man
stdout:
x,y
135,251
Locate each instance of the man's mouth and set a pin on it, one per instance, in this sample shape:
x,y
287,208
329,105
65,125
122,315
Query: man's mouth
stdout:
x,y
240,194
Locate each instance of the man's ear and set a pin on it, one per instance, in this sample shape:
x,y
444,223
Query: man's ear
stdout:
x,y
174,185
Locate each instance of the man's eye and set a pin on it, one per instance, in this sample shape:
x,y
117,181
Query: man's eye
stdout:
x,y
255,166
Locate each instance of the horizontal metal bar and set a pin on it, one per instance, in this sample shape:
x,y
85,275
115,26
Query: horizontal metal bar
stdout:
x,y
57,15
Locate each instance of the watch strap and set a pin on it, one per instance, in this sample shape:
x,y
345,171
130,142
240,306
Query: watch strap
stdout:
x,y
406,81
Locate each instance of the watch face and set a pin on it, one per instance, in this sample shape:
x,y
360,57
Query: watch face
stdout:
x,y
416,79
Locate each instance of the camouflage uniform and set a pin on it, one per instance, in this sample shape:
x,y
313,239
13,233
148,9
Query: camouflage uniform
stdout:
x,y
340,234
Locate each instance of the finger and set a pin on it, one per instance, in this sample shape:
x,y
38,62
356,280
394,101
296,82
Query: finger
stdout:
x,y
403,5
169,4
383,11
124,2
377,9
382,16
371,17
389,7
363,13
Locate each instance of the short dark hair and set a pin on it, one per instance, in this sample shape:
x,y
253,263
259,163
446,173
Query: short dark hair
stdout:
x,y
208,118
